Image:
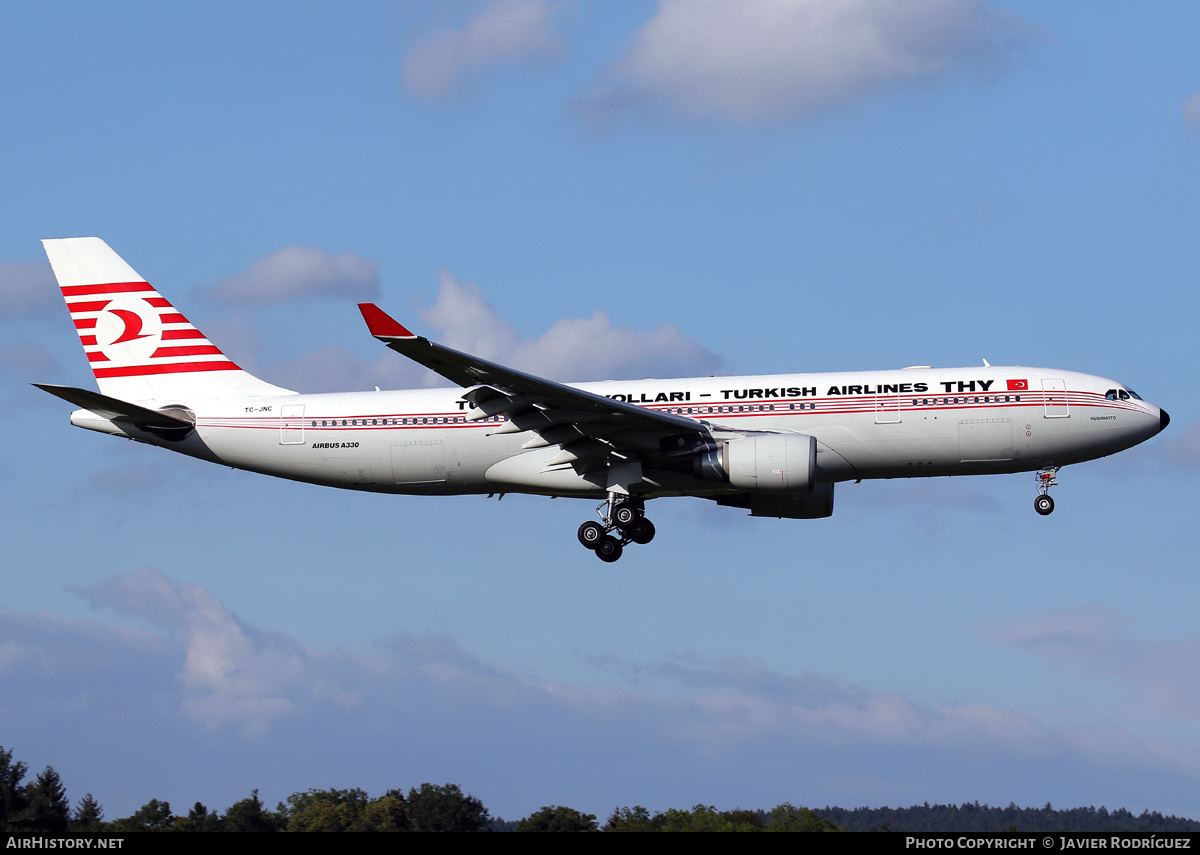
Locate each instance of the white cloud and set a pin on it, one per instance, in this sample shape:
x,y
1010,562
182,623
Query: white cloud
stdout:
x,y
300,271
28,290
1164,671
742,701
506,31
1181,448
1191,111
197,685
231,673
335,369
762,60
466,321
573,349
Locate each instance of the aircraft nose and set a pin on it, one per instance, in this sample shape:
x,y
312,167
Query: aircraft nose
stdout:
x,y
1163,420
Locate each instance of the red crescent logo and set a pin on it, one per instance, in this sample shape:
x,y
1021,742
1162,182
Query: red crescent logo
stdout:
x,y
133,325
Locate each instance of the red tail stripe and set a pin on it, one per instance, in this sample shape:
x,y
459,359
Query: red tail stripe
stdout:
x,y
88,340
111,288
85,323
93,306
187,350
171,335
169,368
158,302
175,318
96,356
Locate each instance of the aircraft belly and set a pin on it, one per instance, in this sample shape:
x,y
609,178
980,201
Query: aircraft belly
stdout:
x,y
396,461
527,473
832,466
352,463
873,449
942,443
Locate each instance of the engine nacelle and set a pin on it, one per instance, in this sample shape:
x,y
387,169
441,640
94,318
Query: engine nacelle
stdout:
x,y
774,463
809,506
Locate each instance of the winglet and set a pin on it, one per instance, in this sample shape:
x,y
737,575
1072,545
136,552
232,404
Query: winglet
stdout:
x,y
381,324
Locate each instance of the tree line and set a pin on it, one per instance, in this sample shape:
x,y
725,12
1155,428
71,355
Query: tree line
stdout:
x,y
974,817
41,805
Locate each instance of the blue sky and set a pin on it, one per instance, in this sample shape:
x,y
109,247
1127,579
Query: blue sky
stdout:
x,y
607,190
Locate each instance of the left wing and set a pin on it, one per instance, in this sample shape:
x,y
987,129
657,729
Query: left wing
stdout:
x,y
591,431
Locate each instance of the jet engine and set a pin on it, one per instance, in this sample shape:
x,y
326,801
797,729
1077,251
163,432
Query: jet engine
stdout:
x,y
781,464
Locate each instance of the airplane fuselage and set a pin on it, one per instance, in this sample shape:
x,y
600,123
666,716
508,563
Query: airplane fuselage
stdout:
x,y
774,445
877,424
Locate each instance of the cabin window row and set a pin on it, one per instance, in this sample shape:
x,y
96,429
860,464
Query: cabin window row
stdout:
x,y
969,399
737,408
415,420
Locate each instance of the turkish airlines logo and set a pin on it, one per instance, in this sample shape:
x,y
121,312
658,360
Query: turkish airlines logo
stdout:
x,y
1018,385
133,325
128,321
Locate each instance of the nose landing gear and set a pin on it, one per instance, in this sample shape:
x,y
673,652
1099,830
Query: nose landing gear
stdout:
x,y
626,517
1043,504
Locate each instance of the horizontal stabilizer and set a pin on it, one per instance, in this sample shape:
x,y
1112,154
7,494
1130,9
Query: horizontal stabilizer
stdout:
x,y
112,408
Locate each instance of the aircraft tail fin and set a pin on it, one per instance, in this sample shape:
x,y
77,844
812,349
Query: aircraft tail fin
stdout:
x,y
139,346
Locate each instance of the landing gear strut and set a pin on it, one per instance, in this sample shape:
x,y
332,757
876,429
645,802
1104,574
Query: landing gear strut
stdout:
x,y
1043,504
623,522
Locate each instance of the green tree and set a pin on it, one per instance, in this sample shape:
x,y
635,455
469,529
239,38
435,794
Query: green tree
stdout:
x,y
445,808
786,817
325,810
250,815
88,815
556,818
199,818
152,816
707,818
47,808
12,794
389,812
636,818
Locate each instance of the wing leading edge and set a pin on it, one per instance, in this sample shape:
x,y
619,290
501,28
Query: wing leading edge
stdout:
x,y
591,431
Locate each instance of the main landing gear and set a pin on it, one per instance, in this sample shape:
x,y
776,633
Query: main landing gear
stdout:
x,y
624,516
1043,504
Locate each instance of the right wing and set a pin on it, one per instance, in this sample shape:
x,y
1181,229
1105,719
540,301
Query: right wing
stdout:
x,y
592,432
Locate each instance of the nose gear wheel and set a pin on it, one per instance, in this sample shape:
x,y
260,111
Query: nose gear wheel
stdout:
x,y
1046,479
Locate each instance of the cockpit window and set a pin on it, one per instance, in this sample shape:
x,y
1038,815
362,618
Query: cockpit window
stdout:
x,y
1121,394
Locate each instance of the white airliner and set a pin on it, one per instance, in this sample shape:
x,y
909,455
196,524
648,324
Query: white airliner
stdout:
x,y
774,445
